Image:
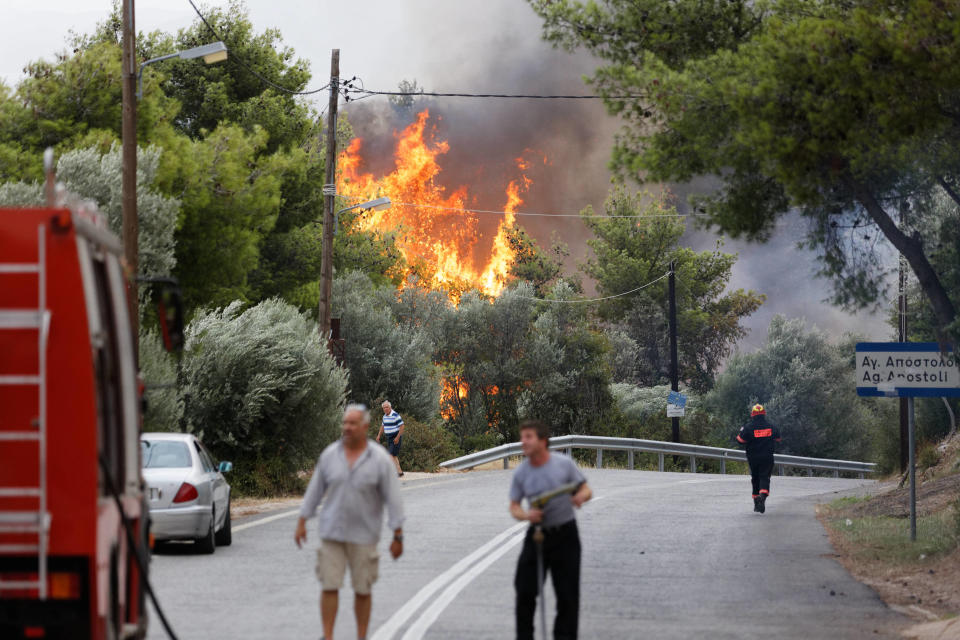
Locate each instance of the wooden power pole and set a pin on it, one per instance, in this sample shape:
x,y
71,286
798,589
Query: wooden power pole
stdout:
x,y
329,198
130,227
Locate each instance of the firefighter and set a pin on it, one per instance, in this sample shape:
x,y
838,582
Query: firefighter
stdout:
x,y
759,437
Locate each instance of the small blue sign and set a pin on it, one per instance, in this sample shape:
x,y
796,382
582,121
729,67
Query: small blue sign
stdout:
x,y
676,398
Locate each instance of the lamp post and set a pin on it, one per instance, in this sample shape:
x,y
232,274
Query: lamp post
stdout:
x,y
371,205
211,53
326,273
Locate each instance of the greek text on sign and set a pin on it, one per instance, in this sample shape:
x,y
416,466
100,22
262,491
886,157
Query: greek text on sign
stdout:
x,y
906,369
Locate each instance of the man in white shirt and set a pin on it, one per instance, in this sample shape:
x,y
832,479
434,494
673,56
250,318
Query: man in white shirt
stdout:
x,y
355,478
392,429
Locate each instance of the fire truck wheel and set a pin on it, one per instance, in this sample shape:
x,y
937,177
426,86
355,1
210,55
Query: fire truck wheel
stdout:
x,y
208,543
224,537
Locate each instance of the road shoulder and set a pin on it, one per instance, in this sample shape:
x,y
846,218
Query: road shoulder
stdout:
x,y
921,579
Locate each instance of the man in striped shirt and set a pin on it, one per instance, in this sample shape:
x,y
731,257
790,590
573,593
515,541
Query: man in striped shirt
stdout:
x,y
392,429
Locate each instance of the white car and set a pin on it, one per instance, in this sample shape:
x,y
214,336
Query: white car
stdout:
x,y
188,496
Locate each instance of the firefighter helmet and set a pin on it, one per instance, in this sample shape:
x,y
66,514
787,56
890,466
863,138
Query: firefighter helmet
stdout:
x,y
757,410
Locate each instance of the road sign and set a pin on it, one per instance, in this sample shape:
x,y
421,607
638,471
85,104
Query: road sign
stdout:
x,y
906,369
676,404
677,398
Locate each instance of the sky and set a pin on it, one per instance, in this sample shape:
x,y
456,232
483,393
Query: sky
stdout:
x,y
473,46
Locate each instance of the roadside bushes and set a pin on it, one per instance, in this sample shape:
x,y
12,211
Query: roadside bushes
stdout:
x,y
164,404
261,390
425,446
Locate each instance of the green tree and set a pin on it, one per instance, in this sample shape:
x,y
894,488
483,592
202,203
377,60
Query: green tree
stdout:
x,y
566,364
262,390
843,109
254,87
387,359
806,383
483,350
70,102
231,200
631,252
88,174
534,265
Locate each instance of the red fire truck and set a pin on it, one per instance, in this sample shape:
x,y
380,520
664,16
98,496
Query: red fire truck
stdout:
x,y
71,493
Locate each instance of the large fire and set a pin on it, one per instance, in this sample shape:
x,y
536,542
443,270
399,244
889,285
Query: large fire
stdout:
x,y
439,239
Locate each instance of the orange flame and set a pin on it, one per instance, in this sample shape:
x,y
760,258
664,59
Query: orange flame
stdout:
x,y
436,235
452,395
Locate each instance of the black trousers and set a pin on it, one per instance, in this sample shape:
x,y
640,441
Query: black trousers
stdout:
x,y
561,559
760,471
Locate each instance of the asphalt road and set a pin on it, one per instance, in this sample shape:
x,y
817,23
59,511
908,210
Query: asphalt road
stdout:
x,y
665,555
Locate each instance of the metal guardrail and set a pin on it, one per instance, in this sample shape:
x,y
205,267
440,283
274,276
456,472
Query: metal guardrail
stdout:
x,y
633,445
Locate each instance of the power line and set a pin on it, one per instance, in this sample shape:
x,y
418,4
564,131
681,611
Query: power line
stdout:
x,y
366,93
243,63
546,215
617,295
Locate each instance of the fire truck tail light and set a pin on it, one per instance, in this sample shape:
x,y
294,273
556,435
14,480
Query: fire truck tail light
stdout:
x,y
186,493
64,586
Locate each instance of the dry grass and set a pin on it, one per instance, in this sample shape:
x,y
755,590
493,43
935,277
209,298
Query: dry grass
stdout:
x,y
872,538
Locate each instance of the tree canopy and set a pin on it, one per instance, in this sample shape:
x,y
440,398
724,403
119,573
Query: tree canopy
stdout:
x,y
632,252
845,109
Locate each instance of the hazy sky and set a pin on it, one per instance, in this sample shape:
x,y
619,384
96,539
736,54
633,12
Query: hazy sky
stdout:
x,y
451,45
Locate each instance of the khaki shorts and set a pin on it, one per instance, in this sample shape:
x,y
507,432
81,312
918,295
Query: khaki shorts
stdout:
x,y
333,558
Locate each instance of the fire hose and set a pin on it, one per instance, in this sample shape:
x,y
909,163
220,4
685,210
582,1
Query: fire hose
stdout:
x,y
539,502
139,551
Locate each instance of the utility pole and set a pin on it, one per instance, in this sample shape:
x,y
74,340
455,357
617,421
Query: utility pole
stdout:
x,y
674,365
129,179
329,196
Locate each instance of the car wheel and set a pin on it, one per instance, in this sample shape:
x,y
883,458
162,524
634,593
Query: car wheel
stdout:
x,y
224,536
208,543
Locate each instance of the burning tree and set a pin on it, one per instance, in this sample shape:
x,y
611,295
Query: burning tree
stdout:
x,y
444,243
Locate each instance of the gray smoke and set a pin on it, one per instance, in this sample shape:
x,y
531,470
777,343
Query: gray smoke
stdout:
x,y
456,46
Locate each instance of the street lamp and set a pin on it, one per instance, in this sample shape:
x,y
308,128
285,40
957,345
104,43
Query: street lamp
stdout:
x,y
371,205
132,77
211,54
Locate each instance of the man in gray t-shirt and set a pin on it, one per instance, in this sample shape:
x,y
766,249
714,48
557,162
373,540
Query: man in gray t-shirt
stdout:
x,y
544,471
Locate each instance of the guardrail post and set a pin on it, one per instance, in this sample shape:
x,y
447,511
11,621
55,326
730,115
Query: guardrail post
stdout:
x,y
809,472
781,468
836,473
661,463
506,462
569,452
599,458
693,464
630,459
723,464
860,475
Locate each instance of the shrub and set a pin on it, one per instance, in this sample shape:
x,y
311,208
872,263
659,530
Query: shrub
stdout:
x,y
164,405
927,457
425,446
387,360
261,390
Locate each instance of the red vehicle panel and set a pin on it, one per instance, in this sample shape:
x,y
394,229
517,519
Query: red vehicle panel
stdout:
x,y
68,393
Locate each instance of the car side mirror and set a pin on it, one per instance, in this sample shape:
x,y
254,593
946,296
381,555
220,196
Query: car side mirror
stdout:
x,y
225,466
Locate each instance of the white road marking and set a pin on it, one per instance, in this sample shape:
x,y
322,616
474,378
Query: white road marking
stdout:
x,y
430,615
423,623
393,624
257,523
